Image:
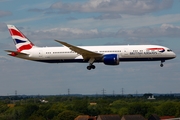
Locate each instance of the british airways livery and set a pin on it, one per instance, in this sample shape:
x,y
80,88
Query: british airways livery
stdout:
x,y
109,55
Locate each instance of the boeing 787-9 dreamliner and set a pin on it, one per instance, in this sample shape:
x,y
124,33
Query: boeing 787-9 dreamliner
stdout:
x,y
109,55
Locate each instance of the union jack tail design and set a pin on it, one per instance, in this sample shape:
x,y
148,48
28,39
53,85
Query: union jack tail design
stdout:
x,y
20,40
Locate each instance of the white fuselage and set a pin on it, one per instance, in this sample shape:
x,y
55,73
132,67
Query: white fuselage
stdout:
x,y
109,55
125,53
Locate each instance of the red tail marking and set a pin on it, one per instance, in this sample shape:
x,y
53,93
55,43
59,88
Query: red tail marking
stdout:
x,y
15,32
25,47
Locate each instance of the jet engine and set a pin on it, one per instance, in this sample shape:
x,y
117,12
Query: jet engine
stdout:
x,y
111,59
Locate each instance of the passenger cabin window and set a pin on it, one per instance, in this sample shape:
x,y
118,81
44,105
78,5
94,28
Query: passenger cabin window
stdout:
x,y
111,51
48,52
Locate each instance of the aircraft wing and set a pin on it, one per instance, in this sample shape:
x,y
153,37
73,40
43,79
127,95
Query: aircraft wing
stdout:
x,y
85,53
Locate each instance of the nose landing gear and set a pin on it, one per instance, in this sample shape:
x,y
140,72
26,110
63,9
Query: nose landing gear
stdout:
x,y
162,61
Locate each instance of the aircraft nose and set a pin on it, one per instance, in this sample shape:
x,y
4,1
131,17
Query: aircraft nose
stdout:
x,y
173,55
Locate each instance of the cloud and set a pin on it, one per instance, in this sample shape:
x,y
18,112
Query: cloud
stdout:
x,y
35,10
138,34
71,18
127,21
28,19
165,30
4,13
38,6
108,16
68,33
132,7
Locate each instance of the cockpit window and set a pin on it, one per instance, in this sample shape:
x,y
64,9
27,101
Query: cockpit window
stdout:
x,y
169,50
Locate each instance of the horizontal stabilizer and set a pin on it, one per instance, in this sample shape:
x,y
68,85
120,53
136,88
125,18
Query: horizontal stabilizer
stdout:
x,y
14,53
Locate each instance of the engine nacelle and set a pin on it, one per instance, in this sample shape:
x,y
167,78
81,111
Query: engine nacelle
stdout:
x,y
111,59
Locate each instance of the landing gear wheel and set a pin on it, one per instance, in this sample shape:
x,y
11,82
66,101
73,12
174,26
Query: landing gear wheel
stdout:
x,y
161,65
93,67
89,67
162,61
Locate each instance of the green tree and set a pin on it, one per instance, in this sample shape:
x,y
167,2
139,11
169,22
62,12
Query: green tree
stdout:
x,y
67,115
3,107
138,108
50,114
35,117
29,109
93,110
80,106
103,107
123,111
168,108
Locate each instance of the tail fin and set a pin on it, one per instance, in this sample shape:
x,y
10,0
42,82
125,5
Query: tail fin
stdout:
x,y
20,40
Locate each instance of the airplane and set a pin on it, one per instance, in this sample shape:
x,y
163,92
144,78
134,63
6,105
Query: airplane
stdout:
x,y
109,55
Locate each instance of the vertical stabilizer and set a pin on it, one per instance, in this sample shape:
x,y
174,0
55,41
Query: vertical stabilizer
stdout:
x,y
20,40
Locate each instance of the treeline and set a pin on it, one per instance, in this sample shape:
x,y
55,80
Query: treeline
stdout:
x,y
67,108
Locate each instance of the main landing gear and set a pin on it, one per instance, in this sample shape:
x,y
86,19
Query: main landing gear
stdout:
x,y
91,66
162,61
